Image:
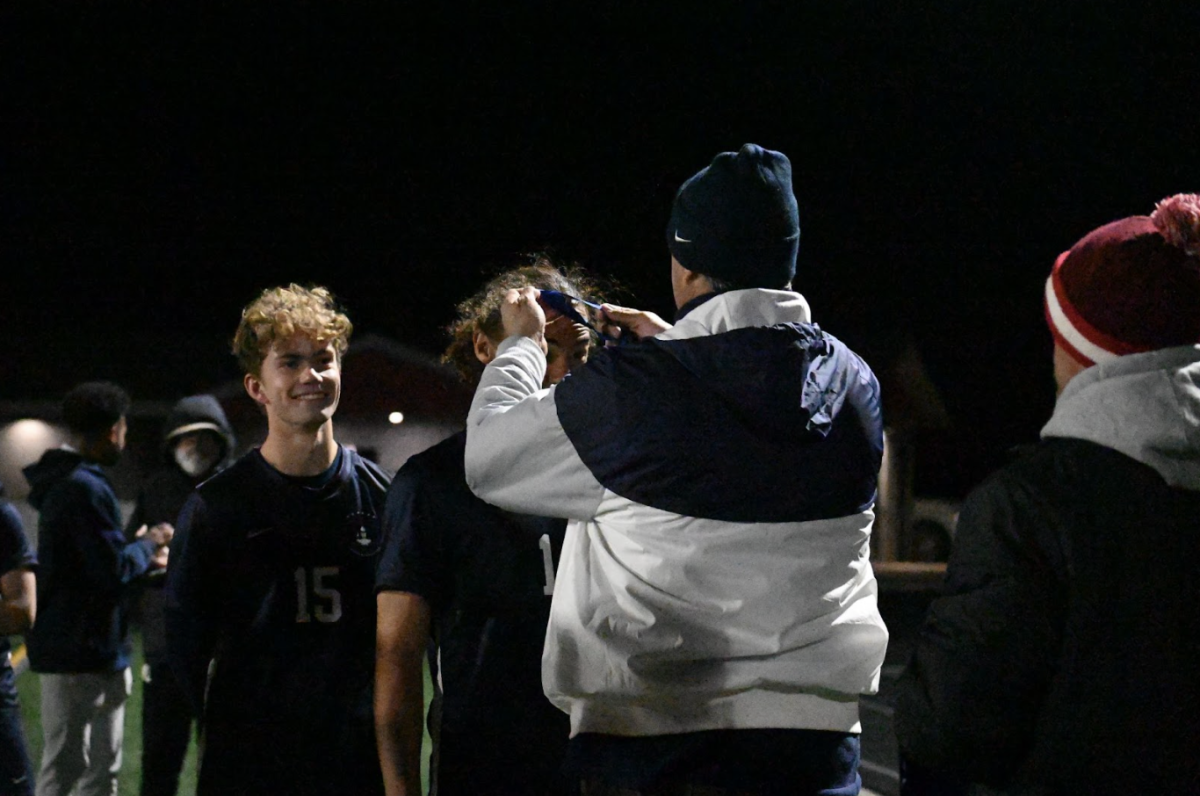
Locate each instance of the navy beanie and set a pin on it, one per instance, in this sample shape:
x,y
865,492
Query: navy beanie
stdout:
x,y
737,221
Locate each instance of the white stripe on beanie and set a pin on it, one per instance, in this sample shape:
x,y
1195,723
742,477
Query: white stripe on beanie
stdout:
x,y
1062,324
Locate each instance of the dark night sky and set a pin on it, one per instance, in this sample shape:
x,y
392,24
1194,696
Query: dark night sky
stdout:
x,y
160,167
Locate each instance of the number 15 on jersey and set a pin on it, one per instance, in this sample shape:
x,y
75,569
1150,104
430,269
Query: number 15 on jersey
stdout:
x,y
316,598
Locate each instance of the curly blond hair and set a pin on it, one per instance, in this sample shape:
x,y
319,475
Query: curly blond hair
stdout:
x,y
482,310
279,313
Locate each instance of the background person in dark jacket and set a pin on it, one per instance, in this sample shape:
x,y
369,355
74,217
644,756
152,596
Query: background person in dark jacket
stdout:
x,y
1063,659
197,442
17,609
80,644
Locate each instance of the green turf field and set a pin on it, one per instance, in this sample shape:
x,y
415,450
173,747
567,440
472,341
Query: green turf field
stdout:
x,y
30,692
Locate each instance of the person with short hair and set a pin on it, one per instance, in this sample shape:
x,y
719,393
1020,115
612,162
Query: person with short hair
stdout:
x,y
1062,656
478,581
197,442
714,619
270,599
80,644
18,608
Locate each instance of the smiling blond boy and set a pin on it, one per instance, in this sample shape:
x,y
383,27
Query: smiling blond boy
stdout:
x,y
270,595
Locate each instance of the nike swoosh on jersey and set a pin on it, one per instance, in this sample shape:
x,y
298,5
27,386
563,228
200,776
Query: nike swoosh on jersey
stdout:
x,y
679,239
258,532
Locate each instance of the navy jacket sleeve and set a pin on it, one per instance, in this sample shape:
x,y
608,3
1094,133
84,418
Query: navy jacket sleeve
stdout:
x,y
92,520
968,704
190,613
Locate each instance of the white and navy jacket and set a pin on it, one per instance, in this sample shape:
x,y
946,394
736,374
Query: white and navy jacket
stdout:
x,y
720,480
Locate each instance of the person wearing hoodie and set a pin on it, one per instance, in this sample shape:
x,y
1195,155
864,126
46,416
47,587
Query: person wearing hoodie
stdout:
x,y
80,644
18,606
714,616
197,443
270,597
1062,657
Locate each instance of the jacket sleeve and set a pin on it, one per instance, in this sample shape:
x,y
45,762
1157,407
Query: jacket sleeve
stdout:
x,y
107,560
518,457
967,706
191,612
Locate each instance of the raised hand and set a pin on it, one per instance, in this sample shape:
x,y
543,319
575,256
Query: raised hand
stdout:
x,y
618,321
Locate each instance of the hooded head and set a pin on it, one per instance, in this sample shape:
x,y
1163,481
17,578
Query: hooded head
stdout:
x,y
198,418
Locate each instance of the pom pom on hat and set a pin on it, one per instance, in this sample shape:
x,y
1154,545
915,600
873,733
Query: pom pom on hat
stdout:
x,y
1130,286
1177,218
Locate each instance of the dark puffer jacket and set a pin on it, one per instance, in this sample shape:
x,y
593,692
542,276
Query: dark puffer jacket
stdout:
x,y
1063,657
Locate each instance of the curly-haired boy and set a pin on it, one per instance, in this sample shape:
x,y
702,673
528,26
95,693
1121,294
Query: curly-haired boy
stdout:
x,y
477,580
270,596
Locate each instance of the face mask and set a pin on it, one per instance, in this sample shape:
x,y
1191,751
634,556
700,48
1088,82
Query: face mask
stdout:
x,y
194,462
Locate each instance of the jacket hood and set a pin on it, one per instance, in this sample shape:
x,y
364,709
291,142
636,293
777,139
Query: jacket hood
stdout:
x,y
198,413
1146,406
55,465
738,309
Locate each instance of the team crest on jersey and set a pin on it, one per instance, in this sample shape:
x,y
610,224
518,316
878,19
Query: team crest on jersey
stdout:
x,y
363,530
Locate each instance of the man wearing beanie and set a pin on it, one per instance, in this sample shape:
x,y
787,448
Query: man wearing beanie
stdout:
x,y
714,618
1063,657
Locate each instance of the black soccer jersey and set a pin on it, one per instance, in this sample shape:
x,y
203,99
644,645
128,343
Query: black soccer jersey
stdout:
x,y
271,626
488,576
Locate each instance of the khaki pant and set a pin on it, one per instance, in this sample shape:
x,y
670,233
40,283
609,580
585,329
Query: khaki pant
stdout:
x,y
83,727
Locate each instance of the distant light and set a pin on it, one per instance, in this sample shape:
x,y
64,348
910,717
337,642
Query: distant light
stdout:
x,y
26,433
396,418
26,439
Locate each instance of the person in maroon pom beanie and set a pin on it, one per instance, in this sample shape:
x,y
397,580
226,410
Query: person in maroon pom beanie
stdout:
x,y
1063,657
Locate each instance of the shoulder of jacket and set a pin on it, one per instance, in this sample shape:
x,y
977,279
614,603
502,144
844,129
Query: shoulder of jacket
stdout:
x,y
1052,473
84,480
1053,457
89,473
